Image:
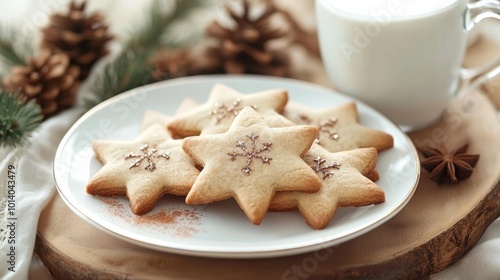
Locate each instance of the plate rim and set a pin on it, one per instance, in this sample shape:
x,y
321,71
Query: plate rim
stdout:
x,y
247,253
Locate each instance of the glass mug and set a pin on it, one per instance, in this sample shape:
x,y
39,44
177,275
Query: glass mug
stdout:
x,y
402,57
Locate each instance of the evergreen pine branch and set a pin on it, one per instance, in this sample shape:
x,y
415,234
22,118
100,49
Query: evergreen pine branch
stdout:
x,y
18,119
125,72
129,69
13,51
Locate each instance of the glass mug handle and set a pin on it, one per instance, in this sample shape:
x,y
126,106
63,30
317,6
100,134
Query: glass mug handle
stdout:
x,y
476,12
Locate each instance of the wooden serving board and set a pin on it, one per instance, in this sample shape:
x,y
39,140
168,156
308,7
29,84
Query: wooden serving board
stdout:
x,y
438,226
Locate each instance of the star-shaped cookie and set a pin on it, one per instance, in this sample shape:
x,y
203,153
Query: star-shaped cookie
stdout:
x,y
151,117
338,127
250,162
343,185
223,104
143,169
274,119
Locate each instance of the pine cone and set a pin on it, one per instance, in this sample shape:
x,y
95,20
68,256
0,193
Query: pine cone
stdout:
x,y
167,64
48,78
244,48
83,37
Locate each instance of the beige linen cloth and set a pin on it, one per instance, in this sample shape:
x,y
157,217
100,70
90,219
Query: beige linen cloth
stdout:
x,y
33,189
35,184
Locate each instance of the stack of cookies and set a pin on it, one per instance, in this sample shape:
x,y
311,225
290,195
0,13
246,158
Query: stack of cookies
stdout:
x,y
265,152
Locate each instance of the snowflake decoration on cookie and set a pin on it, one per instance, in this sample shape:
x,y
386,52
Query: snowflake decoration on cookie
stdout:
x,y
148,155
223,111
326,170
250,153
325,127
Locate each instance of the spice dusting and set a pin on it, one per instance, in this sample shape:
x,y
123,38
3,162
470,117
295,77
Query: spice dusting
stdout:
x,y
176,221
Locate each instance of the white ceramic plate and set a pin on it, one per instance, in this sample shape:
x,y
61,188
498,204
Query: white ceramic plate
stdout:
x,y
220,229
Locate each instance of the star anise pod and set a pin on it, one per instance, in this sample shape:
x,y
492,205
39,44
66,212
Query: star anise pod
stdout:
x,y
448,167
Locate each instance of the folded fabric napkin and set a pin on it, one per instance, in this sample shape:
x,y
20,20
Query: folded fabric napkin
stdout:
x,y
22,202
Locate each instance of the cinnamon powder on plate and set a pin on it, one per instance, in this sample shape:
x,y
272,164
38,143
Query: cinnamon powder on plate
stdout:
x,y
177,221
